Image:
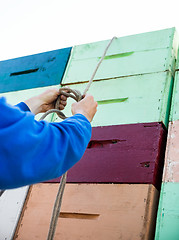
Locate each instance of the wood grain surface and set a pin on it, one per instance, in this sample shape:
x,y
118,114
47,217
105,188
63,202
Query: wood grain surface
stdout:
x,y
91,211
122,154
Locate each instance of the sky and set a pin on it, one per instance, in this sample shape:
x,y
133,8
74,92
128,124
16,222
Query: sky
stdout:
x,y
33,26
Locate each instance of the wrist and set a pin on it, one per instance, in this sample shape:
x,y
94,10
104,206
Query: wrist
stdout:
x,y
34,105
84,114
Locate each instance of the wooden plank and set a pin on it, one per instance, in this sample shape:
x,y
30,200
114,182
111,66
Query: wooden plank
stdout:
x,y
122,154
118,66
11,204
123,59
138,42
174,114
168,212
39,70
171,167
91,211
177,59
127,100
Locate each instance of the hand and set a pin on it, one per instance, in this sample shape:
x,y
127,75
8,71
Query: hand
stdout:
x,y
46,101
87,107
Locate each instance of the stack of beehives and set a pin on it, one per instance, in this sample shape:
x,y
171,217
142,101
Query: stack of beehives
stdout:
x,y
168,212
113,192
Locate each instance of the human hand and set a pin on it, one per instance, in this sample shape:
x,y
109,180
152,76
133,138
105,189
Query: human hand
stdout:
x,y
87,107
46,101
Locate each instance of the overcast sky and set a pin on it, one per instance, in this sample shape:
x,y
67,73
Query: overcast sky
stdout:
x,y
34,26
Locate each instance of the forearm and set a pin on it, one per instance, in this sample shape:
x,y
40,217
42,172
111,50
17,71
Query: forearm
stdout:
x,y
39,151
34,104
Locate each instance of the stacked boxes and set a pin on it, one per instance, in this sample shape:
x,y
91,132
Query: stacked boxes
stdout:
x,y
129,88
112,193
168,212
20,79
39,70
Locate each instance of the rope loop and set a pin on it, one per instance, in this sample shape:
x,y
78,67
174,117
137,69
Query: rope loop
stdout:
x,y
77,96
68,92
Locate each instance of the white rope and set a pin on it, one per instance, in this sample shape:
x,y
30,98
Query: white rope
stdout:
x,y
101,59
58,201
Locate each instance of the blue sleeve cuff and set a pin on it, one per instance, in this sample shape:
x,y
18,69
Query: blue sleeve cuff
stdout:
x,y
81,115
23,107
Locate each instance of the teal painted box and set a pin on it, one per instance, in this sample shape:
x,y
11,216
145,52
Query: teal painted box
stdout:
x,y
174,114
168,217
39,70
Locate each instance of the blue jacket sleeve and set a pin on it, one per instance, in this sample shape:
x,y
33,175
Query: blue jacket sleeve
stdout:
x,y
23,107
32,151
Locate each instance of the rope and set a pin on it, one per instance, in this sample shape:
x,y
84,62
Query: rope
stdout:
x,y
77,96
57,207
94,73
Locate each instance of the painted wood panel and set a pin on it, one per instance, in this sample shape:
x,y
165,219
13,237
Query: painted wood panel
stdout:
x,y
168,212
174,114
122,154
177,60
91,211
39,70
11,204
118,65
171,167
123,59
138,42
127,100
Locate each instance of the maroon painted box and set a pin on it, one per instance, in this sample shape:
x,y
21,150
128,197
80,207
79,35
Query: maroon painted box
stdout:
x,y
132,153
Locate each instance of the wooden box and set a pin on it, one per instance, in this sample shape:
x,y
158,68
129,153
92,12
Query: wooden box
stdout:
x,y
168,212
91,211
131,153
39,70
132,99
137,54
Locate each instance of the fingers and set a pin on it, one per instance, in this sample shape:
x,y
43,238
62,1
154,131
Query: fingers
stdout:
x,y
87,106
62,97
62,102
61,106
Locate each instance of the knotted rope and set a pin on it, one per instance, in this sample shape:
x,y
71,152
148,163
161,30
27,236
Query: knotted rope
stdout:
x,y
77,96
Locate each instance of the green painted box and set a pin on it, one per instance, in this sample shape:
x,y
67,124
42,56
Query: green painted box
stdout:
x,y
174,114
168,218
132,99
132,55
